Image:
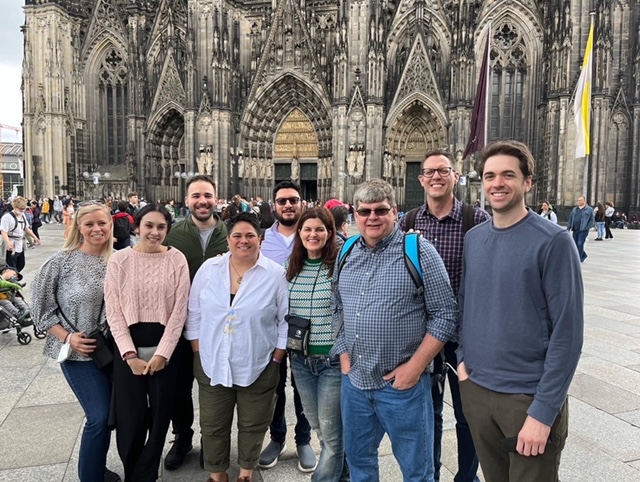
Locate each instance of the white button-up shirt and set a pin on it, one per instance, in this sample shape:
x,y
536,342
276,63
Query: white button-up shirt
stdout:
x,y
237,340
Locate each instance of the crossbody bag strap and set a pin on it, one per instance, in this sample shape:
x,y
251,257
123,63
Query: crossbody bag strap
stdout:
x,y
61,313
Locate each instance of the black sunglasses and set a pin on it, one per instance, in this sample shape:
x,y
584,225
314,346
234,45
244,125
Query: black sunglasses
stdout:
x,y
282,201
365,212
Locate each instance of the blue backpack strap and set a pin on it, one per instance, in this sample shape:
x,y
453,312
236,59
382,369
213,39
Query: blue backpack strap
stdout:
x,y
344,252
411,248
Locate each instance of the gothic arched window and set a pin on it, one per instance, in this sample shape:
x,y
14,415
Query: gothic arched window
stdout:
x,y
113,105
508,76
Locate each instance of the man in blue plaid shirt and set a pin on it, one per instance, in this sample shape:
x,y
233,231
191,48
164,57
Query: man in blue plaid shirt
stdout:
x,y
387,339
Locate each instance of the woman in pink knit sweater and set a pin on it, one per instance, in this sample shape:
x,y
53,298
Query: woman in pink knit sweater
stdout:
x,y
146,293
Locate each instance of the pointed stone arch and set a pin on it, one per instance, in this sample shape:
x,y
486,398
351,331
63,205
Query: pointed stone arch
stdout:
x,y
105,24
415,127
264,115
165,152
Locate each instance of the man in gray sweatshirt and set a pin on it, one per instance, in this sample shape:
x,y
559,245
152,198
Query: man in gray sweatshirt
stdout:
x,y
521,332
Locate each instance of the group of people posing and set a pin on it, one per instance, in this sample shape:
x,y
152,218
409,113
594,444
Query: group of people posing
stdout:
x,y
361,326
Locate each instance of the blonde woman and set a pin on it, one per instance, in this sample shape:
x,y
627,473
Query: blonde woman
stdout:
x,y
68,303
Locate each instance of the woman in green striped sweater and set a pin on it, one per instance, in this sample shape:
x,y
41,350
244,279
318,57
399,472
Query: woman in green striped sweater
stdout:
x,y
317,375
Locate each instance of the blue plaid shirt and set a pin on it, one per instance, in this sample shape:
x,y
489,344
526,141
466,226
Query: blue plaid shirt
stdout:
x,y
385,318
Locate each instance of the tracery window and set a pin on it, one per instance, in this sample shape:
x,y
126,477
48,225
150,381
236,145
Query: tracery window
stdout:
x,y
508,80
113,105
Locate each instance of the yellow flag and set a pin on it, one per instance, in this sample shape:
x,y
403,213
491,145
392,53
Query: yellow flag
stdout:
x,y
582,105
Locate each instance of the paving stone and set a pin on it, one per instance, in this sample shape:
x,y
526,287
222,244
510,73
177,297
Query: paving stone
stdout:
x,y
583,462
41,473
611,352
57,425
16,355
618,339
611,373
13,379
602,395
604,431
633,417
48,387
608,313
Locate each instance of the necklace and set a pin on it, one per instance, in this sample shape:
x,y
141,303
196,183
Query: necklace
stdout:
x,y
239,279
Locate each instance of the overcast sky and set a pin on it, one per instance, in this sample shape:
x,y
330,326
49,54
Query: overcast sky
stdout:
x,y
11,18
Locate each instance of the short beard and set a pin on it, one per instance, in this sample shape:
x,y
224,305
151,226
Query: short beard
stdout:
x,y
287,222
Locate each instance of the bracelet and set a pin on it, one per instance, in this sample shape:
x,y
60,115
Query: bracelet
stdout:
x,y
67,339
129,355
276,360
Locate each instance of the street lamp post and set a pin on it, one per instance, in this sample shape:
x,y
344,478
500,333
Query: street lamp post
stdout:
x,y
185,176
95,177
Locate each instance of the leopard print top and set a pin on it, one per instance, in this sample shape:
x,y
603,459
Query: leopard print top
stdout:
x,y
77,280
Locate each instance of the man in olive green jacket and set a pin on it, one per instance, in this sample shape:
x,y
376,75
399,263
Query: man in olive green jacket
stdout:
x,y
202,235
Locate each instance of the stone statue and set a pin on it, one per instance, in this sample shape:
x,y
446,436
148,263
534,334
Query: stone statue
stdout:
x,y
209,163
360,163
263,169
329,167
403,168
165,168
269,169
240,166
351,162
254,168
386,165
202,163
295,169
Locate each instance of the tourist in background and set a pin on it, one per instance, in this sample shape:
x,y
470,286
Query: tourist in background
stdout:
x,y
547,212
608,219
13,226
601,218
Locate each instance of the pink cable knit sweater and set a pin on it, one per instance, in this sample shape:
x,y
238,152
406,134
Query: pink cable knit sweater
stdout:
x,y
147,287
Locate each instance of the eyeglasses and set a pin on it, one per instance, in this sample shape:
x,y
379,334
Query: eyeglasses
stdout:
x,y
282,201
443,171
366,212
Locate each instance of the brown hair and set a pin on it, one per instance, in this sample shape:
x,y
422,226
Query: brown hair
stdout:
x,y
441,152
512,148
299,252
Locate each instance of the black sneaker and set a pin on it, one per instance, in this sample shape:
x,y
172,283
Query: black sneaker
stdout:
x,y
111,476
177,453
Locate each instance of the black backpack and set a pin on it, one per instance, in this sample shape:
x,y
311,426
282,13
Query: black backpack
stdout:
x,y
121,228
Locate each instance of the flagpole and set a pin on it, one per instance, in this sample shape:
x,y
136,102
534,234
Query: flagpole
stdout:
x,y
589,159
486,109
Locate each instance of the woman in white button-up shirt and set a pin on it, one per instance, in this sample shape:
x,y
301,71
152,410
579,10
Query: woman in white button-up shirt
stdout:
x,y
237,330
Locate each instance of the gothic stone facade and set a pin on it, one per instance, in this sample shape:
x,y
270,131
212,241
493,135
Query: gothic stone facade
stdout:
x,y
326,92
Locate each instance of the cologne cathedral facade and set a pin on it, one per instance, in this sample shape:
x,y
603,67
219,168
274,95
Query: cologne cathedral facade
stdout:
x,y
325,92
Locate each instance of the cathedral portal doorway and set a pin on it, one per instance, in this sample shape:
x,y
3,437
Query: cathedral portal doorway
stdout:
x,y
295,153
165,155
415,130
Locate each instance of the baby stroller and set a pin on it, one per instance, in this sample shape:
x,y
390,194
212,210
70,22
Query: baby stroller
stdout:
x,y
9,322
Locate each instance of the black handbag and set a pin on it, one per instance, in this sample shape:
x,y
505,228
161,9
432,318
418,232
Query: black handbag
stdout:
x,y
102,356
298,334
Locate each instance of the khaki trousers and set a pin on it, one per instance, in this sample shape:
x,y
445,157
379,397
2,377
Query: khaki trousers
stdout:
x,y
494,416
255,409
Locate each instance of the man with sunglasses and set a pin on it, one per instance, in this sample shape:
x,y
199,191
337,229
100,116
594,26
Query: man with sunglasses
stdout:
x,y
277,246
388,332
441,221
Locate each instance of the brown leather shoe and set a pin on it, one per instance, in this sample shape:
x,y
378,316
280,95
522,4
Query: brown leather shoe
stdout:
x,y
225,478
246,478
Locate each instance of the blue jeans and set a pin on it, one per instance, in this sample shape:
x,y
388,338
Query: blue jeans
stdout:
x,y
278,427
600,226
580,237
319,381
467,458
405,415
92,388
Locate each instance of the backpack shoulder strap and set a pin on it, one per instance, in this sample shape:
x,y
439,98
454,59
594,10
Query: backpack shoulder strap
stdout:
x,y
468,217
15,219
411,248
344,252
411,219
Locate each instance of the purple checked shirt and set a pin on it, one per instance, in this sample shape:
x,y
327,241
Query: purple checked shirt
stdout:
x,y
446,236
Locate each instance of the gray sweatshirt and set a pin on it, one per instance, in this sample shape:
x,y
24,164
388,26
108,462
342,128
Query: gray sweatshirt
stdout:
x,y
521,300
